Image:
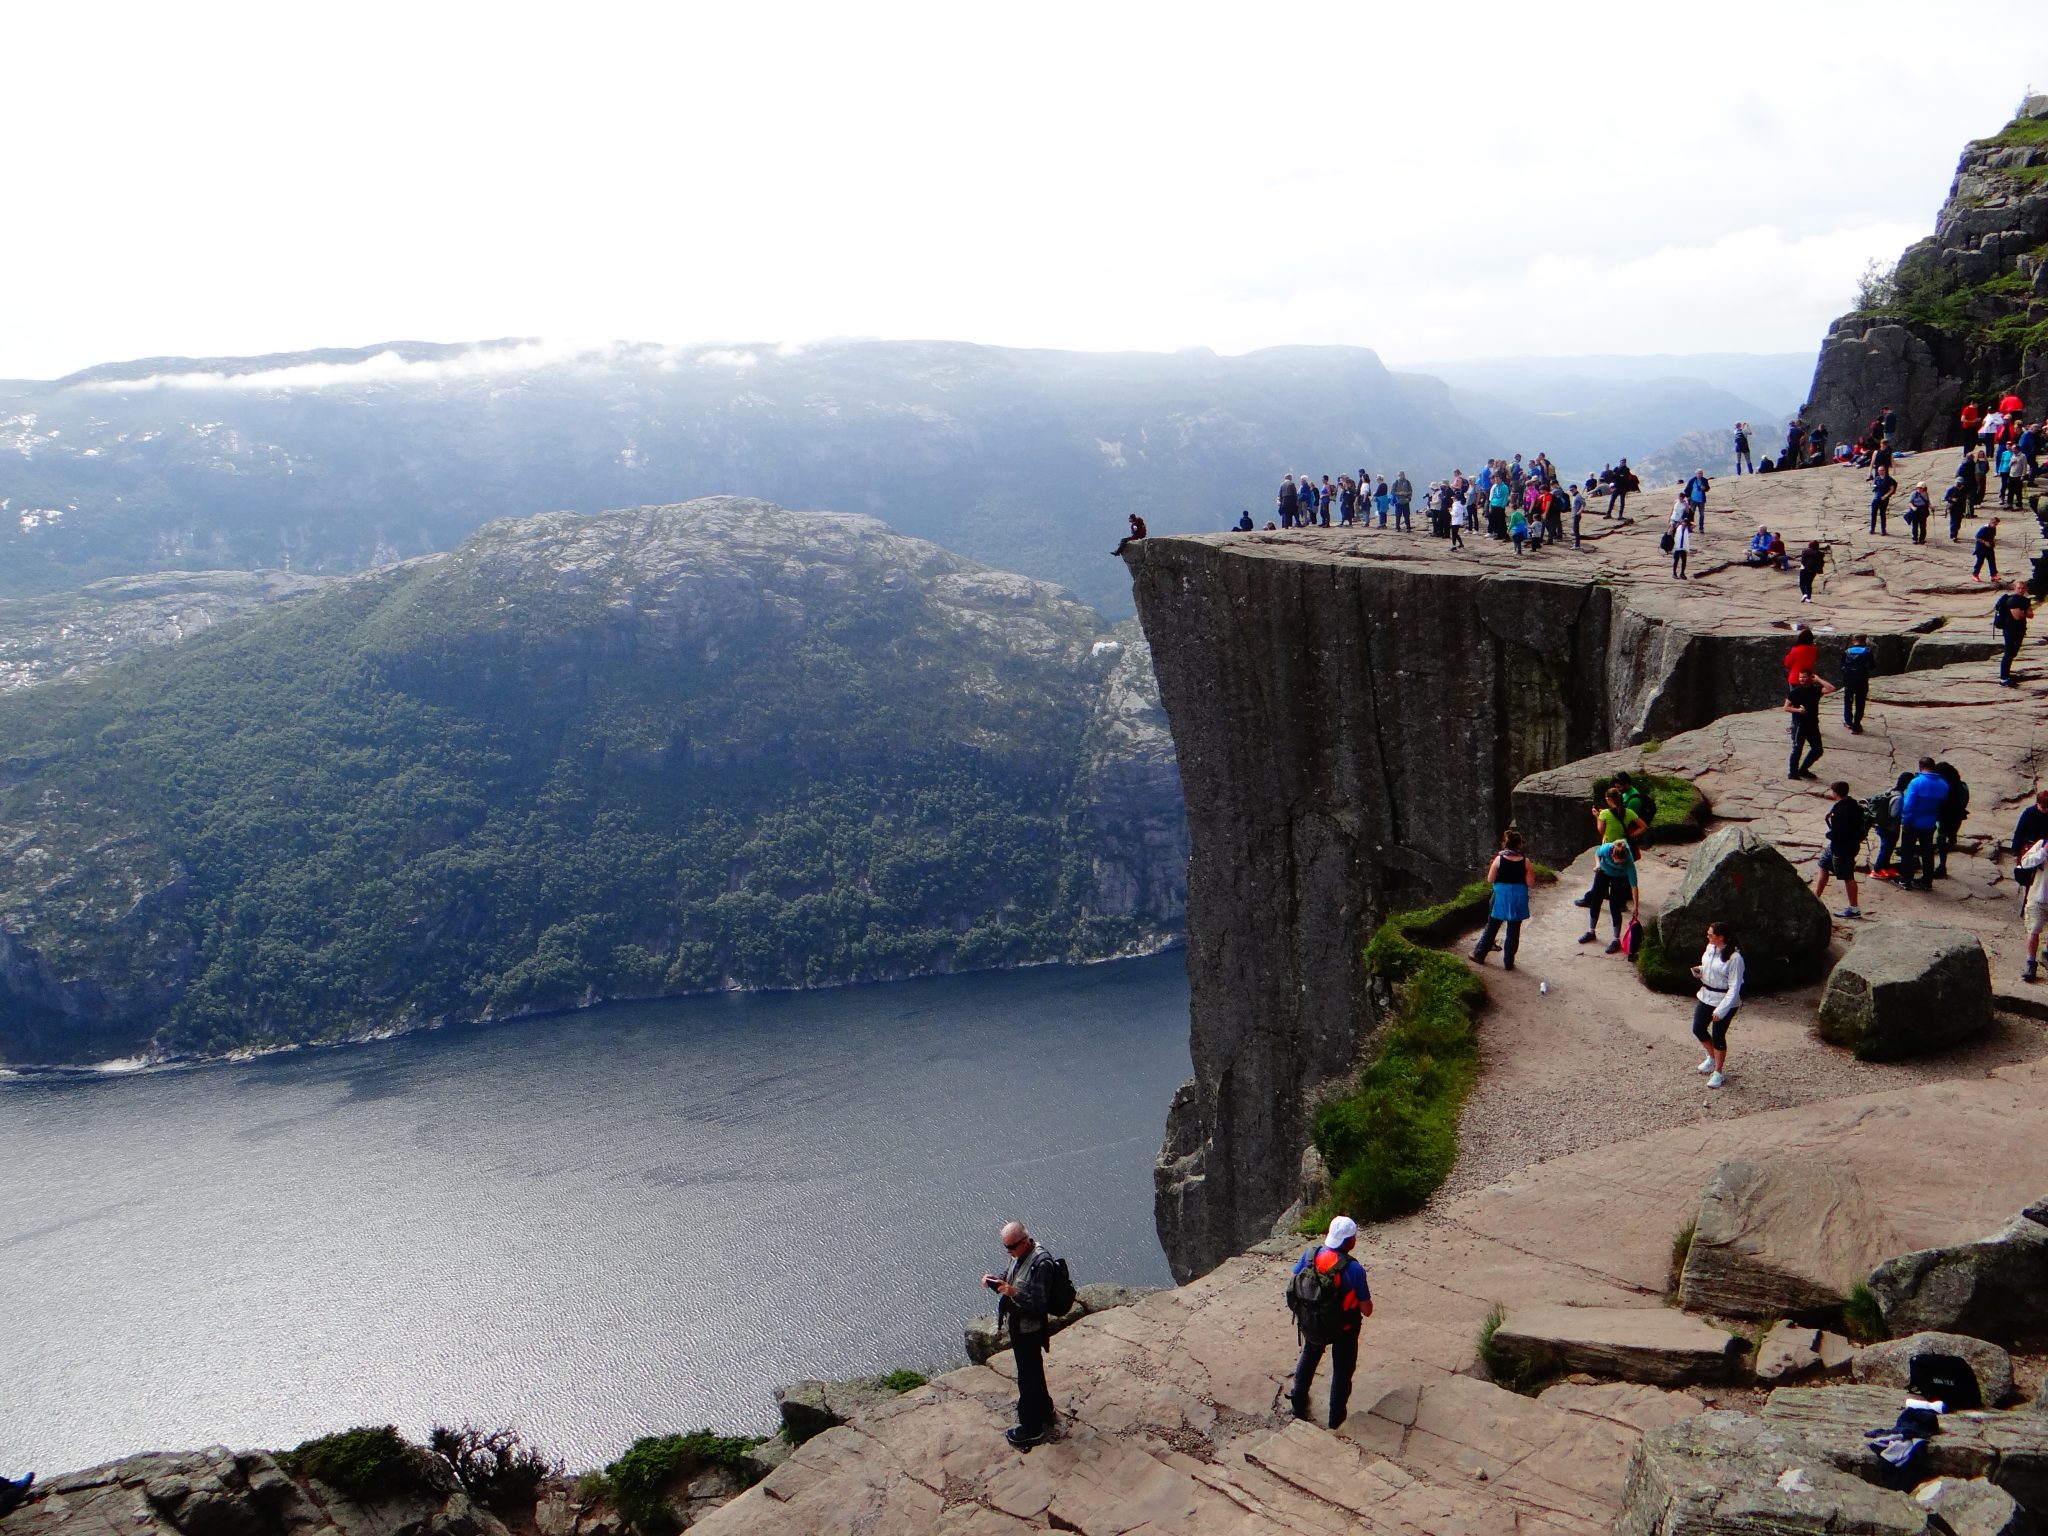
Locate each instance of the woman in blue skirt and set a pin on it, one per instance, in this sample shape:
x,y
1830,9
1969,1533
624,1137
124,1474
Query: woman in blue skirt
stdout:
x,y
1509,873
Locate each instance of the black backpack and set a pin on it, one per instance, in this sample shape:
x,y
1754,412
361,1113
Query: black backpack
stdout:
x,y
1880,811
1316,1298
1946,1379
1852,822
1059,1287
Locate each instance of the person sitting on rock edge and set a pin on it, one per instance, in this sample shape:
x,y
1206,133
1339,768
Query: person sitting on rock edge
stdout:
x,y
1332,1261
1024,1304
1137,532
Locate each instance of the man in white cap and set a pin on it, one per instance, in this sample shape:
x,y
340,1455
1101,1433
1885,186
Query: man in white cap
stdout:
x,y
1330,1301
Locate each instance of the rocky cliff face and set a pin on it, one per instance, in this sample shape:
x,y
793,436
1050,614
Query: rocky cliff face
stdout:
x,y
1349,732
1964,314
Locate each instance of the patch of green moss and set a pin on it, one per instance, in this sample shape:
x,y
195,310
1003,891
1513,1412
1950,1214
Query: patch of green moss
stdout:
x,y
366,1463
637,1481
1662,972
2021,130
903,1381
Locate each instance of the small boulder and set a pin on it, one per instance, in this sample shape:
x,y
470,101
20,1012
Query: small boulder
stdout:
x,y
1741,879
1995,1288
1784,1237
1905,989
1786,1353
1647,1344
1891,1364
1723,1472
810,1408
984,1341
1969,1506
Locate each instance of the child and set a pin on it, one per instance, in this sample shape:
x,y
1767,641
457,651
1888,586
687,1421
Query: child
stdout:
x,y
1518,528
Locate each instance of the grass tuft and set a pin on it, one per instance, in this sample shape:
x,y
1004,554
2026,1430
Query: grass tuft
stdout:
x,y
638,1480
366,1463
1681,1250
903,1381
1862,1318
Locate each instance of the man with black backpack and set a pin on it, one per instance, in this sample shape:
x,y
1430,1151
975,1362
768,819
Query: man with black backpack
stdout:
x,y
1035,1289
1330,1302
1847,824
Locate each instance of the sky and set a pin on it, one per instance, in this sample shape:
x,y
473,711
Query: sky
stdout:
x,y
1435,181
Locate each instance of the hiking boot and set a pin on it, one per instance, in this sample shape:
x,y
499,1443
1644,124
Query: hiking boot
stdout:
x,y
1588,936
1023,1439
1583,901
1717,1079
2030,973
1479,955
1613,946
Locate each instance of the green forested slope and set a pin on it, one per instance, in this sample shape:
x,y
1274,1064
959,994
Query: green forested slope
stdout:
x,y
644,752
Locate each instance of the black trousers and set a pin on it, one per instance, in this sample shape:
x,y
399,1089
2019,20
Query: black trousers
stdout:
x,y
1343,1364
1916,856
1034,1403
1855,695
2015,637
1806,734
1606,888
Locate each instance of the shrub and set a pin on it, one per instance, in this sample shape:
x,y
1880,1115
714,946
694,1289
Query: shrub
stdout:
x,y
497,1468
639,1478
903,1381
363,1464
1862,1318
1391,1142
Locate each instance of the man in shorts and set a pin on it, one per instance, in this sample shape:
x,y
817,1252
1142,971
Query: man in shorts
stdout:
x,y
1846,828
2034,915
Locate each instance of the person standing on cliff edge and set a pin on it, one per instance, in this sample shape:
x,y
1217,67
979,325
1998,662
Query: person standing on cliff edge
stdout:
x,y
1023,1289
1330,1300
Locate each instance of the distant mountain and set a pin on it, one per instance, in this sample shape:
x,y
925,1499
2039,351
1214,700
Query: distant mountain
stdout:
x,y
1587,412
334,461
580,757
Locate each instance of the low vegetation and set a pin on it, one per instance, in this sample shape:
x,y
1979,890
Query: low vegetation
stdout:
x,y
496,1467
366,1463
1391,1142
1678,811
1681,1250
1527,1377
903,1381
638,1481
1862,1318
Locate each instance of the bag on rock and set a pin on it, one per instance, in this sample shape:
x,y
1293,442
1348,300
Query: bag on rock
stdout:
x,y
1946,1379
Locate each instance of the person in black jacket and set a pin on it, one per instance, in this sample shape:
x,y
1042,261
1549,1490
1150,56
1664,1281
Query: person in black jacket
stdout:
x,y
1023,1291
2009,617
2031,828
1948,823
1289,502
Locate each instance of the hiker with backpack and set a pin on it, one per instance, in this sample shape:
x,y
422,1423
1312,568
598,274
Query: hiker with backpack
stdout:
x,y
1035,1289
1330,1300
1882,812
1858,662
1847,825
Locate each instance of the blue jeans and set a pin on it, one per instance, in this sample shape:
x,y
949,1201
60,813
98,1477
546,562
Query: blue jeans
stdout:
x,y
1343,1365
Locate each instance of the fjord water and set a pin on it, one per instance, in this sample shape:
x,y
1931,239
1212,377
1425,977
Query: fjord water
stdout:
x,y
629,1221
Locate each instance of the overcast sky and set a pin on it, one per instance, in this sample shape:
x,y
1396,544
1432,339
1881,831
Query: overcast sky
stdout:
x,y
1436,181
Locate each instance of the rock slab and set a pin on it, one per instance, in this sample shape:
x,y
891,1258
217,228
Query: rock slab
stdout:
x,y
1729,1474
2009,1447
984,1341
1644,1344
1995,1288
811,1407
1905,989
1969,1506
1890,1364
1741,879
1785,1238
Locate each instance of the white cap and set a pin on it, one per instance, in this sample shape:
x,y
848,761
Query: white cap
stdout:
x,y
1342,1230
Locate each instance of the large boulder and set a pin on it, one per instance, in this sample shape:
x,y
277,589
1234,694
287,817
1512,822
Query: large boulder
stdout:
x,y
1994,1288
1784,1237
1729,1474
1890,1364
2009,1447
1739,878
1646,1344
1904,989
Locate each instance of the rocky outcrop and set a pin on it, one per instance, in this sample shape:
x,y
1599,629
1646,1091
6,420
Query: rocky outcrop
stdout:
x,y
1783,1237
218,1492
1739,878
1890,1364
810,1408
1653,1345
2008,1447
985,1340
1953,322
1995,1288
1905,989
1970,1506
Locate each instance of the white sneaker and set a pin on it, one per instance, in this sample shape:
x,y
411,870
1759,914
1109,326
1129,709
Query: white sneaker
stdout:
x,y
1705,1066
1717,1079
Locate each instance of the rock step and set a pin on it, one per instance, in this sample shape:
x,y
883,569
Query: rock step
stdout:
x,y
1654,1345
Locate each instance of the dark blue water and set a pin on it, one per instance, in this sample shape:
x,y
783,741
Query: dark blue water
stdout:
x,y
634,1220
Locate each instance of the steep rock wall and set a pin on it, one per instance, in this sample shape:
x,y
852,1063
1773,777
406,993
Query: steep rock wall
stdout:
x,y
1349,732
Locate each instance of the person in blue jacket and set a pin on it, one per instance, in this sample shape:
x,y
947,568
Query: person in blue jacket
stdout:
x,y
1858,662
1332,1260
1918,816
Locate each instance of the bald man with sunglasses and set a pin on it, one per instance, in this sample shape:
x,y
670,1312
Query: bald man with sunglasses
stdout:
x,y
1023,1289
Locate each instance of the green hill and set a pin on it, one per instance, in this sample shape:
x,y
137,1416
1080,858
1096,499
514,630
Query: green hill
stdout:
x,y
578,758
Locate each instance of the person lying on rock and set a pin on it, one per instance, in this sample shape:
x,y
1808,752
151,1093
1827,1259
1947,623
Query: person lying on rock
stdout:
x,y
1330,1300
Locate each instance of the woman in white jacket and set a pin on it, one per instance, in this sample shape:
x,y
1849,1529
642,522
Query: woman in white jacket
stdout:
x,y
1719,974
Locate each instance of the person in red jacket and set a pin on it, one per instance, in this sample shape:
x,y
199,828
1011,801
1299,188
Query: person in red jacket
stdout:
x,y
1971,418
1804,655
